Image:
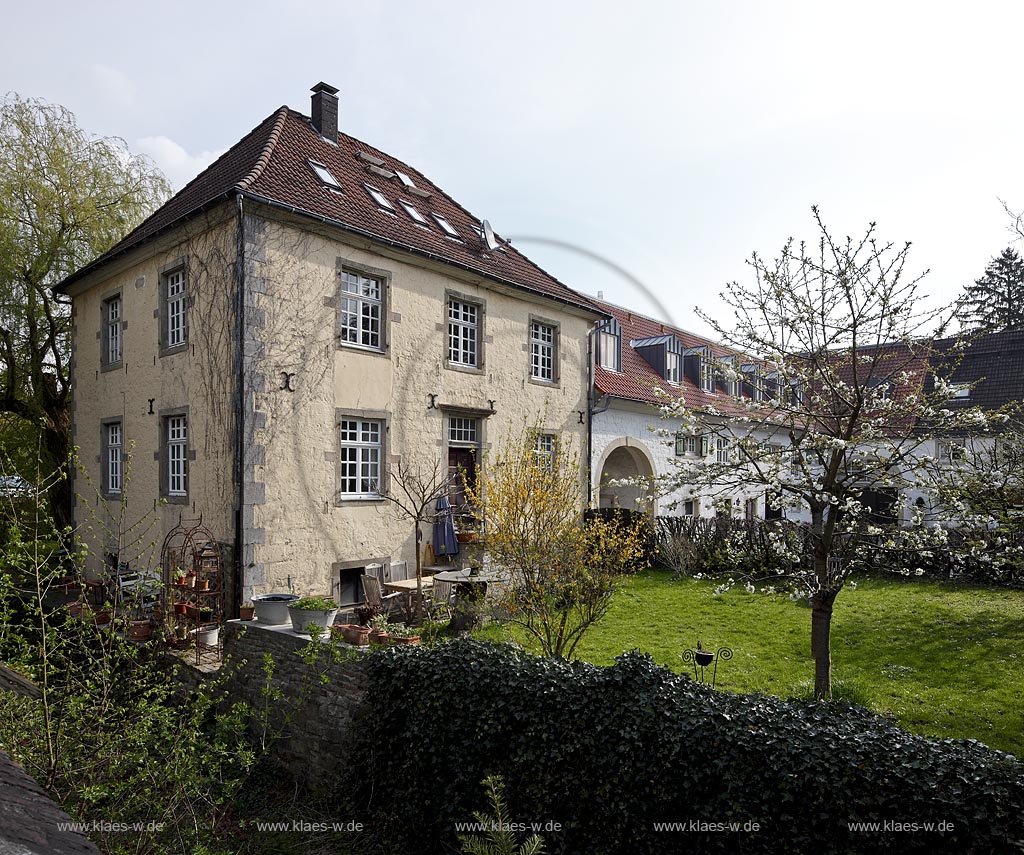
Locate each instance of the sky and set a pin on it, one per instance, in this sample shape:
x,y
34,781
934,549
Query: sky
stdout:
x,y
672,139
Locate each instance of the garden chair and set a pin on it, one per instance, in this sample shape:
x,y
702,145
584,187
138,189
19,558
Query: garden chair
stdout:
x,y
442,600
377,571
399,571
384,604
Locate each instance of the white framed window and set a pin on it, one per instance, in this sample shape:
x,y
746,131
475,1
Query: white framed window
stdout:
x,y
707,375
324,174
750,509
544,450
722,449
446,227
608,351
688,446
691,507
379,198
542,351
361,310
961,391
112,333
463,429
360,453
673,367
415,215
114,441
177,455
463,333
175,309
951,450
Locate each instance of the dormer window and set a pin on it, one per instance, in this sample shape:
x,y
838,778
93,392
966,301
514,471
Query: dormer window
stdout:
x,y
324,174
707,375
796,393
699,368
673,367
728,374
753,383
609,345
772,382
663,353
880,391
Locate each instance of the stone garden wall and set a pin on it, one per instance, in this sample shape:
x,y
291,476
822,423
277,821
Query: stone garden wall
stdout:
x,y
316,717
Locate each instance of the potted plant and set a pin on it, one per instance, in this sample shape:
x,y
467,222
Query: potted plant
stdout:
x,y
272,608
246,612
76,608
205,613
378,629
180,578
191,611
179,608
399,634
190,579
319,611
202,584
365,613
181,634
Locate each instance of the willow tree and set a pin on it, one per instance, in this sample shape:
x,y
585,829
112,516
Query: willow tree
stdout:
x,y
65,198
825,409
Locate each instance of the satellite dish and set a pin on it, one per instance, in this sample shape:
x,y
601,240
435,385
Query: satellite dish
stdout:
x,y
489,238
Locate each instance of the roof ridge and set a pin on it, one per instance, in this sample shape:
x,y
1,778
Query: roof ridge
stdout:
x,y
265,154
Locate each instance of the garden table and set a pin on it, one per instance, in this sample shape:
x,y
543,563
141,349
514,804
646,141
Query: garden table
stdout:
x,y
408,587
470,591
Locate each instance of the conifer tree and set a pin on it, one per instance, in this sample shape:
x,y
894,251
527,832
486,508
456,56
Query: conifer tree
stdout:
x,y
995,302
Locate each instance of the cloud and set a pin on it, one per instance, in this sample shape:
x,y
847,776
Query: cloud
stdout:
x,y
114,85
177,164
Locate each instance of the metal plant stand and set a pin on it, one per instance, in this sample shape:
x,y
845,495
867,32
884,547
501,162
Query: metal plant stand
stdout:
x,y
193,576
704,659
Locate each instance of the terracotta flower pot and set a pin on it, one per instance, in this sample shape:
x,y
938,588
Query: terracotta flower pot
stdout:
x,y
412,640
192,612
352,633
377,637
246,612
140,630
180,608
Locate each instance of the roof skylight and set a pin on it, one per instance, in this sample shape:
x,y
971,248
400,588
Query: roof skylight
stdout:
x,y
324,174
446,227
405,179
412,212
379,197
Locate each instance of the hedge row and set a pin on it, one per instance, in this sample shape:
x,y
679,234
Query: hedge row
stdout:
x,y
610,752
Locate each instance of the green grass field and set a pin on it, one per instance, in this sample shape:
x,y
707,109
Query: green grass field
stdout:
x,y
941,659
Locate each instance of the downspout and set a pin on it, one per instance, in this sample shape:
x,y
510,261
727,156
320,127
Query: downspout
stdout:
x,y
590,415
239,405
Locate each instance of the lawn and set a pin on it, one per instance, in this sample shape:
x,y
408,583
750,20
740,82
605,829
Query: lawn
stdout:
x,y
941,659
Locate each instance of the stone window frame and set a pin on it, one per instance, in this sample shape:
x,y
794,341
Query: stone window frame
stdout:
x,y
556,356
481,332
343,265
382,416
104,332
105,490
163,456
161,313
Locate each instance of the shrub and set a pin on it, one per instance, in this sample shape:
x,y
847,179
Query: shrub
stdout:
x,y
609,752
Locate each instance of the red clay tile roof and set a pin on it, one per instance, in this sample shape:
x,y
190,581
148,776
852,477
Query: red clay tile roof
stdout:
x,y
271,164
637,380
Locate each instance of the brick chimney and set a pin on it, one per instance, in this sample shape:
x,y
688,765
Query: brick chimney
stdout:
x,y
325,111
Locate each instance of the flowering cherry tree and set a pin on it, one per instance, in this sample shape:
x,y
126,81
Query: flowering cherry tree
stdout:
x,y
831,418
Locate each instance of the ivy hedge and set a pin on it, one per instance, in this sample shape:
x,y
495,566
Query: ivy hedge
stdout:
x,y
609,753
